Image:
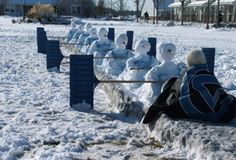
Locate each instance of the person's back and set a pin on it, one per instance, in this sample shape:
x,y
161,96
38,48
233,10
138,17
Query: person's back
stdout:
x,y
201,95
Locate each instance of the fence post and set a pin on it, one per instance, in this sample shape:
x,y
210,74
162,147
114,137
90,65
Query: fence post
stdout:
x,y
210,57
130,35
82,79
41,40
54,55
111,34
153,49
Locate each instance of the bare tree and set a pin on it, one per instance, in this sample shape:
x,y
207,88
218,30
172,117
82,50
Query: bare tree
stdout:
x,y
137,2
88,8
156,5
120,5
4,4
182,11
100,8
58,5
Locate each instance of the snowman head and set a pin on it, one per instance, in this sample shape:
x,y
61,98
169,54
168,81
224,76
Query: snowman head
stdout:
x,y
88,26
142,46
77,20
80,27
102,33
73,24
195,57
167,51
93,32
121,41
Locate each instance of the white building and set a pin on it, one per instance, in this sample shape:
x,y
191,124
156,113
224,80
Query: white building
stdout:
x,y
196,10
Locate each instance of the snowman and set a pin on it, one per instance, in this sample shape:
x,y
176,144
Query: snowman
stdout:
x,y
100,47
77,34
140,64
162,72
71,32
83,35
78,21
91,38
115,61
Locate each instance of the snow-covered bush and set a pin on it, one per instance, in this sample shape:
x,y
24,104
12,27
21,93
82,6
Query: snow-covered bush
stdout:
x,y
41,11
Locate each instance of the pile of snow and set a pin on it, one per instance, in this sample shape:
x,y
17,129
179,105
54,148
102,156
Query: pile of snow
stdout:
x,y
199,140
169,24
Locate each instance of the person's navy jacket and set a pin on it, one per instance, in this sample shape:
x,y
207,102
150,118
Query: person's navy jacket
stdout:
x,y
201,95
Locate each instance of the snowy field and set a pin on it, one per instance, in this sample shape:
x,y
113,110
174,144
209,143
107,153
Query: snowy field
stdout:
x,y
36,121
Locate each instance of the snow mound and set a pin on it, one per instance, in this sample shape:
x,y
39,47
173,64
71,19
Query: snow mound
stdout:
x,y
200,140
121,100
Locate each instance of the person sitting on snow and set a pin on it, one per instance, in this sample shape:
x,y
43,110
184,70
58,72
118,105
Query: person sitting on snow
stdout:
x,y
77,34
116,59
100,47
139,65
83,35
195,95
71,32
91,38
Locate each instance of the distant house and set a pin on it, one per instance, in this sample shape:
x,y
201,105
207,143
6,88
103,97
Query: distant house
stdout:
x,y
197,10
176,10
82,8
20,7
228,8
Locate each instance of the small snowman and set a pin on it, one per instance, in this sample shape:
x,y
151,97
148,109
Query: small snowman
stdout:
x,y
116,59
140,64
164,71
77,34
83,35
78,21
100,47
91,38
71,32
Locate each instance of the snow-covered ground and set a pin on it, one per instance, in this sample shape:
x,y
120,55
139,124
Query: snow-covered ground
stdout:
x,y
36,121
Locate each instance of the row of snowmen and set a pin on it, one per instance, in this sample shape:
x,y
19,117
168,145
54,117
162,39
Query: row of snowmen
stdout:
x,y
77,35
123,64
